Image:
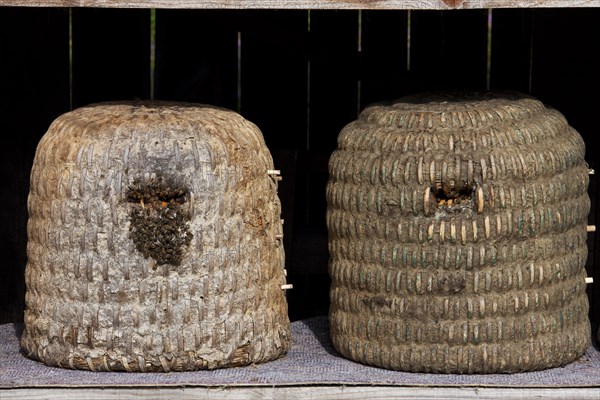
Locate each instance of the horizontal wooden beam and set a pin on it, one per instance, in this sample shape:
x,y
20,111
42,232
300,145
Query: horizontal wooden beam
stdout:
x,y
307,4
341,392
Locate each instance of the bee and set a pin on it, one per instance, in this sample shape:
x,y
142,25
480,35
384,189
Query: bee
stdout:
x,y
159,223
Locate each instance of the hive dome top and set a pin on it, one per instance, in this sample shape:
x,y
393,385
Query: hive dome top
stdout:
x,y
453,110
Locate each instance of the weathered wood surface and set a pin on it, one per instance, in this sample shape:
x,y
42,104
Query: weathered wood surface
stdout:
x,y
110,59
307,4
311,392
33,91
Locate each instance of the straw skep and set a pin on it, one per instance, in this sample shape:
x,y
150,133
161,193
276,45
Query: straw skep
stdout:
x,y
457,235
154,242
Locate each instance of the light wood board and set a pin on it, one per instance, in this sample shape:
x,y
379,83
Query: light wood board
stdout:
x,y
307,4
301,392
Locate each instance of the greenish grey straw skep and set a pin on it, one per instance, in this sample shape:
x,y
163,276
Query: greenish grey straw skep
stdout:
x,y
457,236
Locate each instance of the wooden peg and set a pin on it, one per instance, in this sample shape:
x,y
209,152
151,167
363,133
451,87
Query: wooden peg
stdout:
x,y
479,199
426,197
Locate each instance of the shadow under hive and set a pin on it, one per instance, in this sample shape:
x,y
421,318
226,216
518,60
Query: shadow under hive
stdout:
x,y
457,234
154,241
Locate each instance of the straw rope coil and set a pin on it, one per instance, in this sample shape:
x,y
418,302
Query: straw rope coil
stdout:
x,y
152,242
457,235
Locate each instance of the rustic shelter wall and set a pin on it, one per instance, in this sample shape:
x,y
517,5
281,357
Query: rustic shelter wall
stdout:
x,y
300,75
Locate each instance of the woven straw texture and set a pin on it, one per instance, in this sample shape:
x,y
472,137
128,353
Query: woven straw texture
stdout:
x,y
457,234
154,242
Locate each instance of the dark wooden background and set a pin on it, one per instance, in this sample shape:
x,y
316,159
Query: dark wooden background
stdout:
x,y
299,75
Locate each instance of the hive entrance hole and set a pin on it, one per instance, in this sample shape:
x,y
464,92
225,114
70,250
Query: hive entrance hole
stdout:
x,y
158,219
448,194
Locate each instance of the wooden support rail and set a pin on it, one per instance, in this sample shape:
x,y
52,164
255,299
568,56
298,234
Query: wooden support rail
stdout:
x,y
308,4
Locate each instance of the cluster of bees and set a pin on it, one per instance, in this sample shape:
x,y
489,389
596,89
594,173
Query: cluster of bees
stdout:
x,y
158,220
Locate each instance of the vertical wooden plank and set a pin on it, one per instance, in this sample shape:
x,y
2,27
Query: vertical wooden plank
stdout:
x,y
332,97
274,90
274,75
196,56
384,68
565,76
333,75
333,100
111,55
274,95
511,49
566,61
448,50
34,89
593,262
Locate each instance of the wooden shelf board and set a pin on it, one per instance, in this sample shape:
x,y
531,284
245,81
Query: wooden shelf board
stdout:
x,y
300,392
307,4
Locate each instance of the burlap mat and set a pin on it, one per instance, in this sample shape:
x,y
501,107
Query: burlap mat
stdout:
x,y
311,361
